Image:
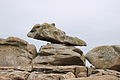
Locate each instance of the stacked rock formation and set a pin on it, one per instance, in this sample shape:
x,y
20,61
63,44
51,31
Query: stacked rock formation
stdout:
x,y
57,60
61,50
60,57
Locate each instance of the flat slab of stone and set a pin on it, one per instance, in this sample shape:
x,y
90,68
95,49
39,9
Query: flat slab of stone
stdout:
x,y
104,77
78,71
38,76
100,72
19,68
13,75
59,55
48,32
43,72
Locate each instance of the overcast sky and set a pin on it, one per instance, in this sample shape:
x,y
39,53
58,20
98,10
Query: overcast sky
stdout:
x,y
95,21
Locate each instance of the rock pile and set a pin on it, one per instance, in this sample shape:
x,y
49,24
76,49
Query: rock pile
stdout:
x,y
57,60
62,54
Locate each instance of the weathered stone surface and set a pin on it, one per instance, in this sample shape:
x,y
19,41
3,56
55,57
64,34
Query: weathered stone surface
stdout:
x,y
15,52
13,41
79,71
32,50
20,68
5,79
104,77
13,75
54,69
38,76
42,72
90,70
82,74
100,72
48,32
59,55
105,57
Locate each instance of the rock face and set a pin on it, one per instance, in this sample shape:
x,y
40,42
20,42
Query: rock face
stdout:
x,y
101,72
13,75
105,57
104,77
77,71
58,60
42,73
48,32
59,55
58,73
38,76
14,52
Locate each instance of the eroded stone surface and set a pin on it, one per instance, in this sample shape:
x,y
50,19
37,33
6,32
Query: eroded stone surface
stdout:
x,y
42,72
38,76
104,77
59,55
14,52
105,57
100,72
48,32
76,70
13,75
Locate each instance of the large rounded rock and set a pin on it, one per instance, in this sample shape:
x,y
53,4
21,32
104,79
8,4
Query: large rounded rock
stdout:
x,y
105,57
60,55
48,32
16,52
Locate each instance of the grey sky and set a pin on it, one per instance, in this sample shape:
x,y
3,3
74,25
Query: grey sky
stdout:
x,y
95,21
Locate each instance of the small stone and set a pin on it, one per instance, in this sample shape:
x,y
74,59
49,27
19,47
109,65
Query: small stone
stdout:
x,y
81,71
82,74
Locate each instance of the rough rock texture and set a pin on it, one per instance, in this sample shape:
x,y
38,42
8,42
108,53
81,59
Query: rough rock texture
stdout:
x,y
48,32
42,73
38,76
60,55
100,72
76,70
19,68
14,52
105,57
13,75
104,77
59,60
5,79
58,73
